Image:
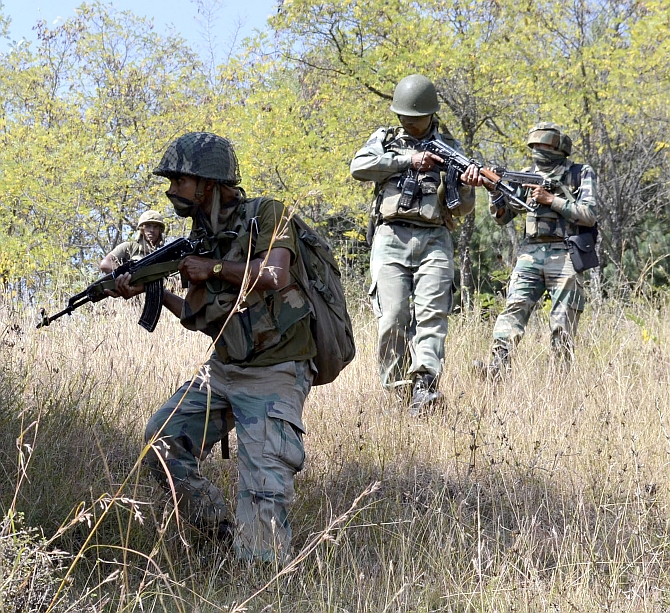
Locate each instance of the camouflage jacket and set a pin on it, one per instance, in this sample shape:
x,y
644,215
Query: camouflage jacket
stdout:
x,y
574,205
268,327
386,157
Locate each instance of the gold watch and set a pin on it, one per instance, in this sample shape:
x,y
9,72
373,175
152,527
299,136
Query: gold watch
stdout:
x,y
217,268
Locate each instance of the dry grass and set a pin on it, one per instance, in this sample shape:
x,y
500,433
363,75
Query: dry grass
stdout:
x,y
542,493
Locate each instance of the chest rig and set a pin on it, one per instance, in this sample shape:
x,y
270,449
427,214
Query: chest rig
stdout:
x,y
544,223
410,195
242,325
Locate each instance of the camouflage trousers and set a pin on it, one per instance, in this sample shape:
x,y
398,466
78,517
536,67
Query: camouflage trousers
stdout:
x,y
264,405
540,267
412,270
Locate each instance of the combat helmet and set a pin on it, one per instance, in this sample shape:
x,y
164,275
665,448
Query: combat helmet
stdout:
x,y
549,133
151,217
415,96
203,155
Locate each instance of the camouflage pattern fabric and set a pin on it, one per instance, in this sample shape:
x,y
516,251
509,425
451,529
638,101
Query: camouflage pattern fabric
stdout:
x,y
203,155
565,214
412,271
549,133
541,267
265,407
544,262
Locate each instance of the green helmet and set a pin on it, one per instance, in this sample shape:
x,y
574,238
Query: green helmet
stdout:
x,y
415,96
203,155
151,217
548,133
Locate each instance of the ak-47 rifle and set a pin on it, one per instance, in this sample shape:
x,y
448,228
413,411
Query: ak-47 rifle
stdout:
x,y
517,179
150,271
455,163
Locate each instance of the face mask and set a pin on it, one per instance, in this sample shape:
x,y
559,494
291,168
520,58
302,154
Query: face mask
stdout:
x,y
545,159
182,206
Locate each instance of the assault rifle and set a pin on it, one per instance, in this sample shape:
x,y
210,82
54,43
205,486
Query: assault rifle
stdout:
x,y
455,163
150,270
517,179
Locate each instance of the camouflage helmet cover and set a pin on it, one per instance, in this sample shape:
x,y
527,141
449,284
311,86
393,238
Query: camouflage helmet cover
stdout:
x,y
151,217
203,155
549,133
415,96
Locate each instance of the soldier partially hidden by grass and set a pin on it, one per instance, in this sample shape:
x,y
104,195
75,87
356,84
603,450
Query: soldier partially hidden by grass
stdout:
x,y
260,373
150,230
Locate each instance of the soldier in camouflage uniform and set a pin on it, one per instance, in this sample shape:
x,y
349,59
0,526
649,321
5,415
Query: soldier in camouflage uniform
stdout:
x,y
260,372
412,259
544,263
149,237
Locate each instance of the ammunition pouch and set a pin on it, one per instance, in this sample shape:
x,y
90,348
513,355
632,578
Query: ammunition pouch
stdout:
x,y
412,198
582,249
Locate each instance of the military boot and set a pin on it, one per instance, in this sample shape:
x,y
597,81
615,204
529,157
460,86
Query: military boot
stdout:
x,y
424,395
497,369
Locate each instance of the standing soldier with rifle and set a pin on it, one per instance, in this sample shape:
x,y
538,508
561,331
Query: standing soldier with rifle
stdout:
x,y
559,244
260,373
412,259
149,237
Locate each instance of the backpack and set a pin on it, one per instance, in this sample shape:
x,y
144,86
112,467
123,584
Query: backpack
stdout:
x,y
319,277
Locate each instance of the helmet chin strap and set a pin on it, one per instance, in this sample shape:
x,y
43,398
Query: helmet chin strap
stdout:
x,y
216,208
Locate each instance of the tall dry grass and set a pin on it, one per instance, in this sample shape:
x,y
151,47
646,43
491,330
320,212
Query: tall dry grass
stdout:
x,y
542,493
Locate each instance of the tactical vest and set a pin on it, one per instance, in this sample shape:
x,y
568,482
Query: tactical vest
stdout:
x,y
260,319
544,223
425,207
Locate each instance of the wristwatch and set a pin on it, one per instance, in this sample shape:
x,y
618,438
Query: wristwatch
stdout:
x,y
217,268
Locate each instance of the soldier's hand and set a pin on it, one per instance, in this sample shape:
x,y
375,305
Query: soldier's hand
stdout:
x,y
123,288
472,176
425,161
197,269
541,195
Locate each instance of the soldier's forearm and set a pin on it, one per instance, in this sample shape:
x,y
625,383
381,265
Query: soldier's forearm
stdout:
x,y
173,303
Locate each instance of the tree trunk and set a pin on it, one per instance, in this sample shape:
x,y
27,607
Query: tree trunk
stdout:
x,y
467,278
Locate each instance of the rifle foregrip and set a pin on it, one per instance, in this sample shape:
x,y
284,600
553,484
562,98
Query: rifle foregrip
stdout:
x,y
490,175
153,305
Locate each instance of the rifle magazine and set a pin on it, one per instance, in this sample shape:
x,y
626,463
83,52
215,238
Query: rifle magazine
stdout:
x,y
153,305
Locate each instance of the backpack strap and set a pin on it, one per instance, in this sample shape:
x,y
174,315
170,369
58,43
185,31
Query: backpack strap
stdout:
x,y
575,174
251,208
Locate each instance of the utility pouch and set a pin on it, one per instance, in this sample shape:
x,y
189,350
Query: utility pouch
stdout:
x,y
409,188
582,249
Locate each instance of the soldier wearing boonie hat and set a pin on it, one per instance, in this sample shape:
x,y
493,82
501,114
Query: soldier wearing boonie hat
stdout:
x,y
149,236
